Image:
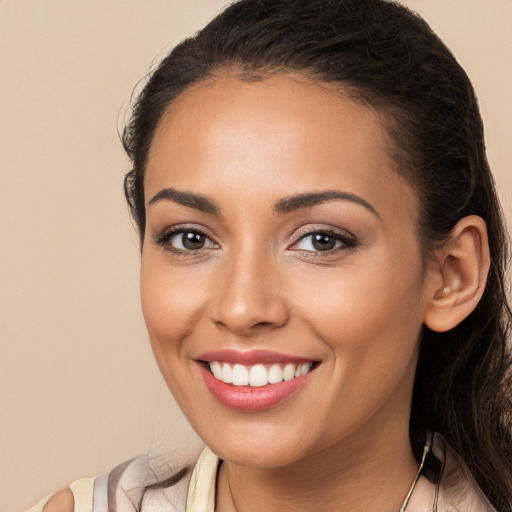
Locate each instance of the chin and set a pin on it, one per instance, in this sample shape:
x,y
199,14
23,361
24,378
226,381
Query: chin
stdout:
x,y
258,445
258,457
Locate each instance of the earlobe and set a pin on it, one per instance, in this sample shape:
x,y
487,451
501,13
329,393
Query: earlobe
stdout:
x,y
462,268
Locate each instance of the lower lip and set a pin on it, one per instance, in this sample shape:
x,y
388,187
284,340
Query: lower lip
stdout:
x,y
247,398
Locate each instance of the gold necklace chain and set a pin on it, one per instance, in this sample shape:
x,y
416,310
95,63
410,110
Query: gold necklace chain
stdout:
x,y
426,449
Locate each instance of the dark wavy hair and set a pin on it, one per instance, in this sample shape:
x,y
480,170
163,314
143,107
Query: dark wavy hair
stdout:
x,y
386,57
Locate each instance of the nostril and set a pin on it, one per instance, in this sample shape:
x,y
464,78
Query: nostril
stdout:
x,y
247,328
262,324
248,312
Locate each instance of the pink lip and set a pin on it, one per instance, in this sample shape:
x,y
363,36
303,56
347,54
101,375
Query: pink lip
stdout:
x,y
250,357
247,398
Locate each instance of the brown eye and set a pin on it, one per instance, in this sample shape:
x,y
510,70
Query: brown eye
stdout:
x,y
181,240
192,241
323,242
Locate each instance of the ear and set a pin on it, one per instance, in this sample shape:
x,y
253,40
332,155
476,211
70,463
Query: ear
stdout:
x,y
460,273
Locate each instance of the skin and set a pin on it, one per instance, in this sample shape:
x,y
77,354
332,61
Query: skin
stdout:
x,y
341,441
61,501
258,283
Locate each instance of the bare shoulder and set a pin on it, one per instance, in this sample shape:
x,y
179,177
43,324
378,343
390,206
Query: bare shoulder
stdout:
x,y
63,501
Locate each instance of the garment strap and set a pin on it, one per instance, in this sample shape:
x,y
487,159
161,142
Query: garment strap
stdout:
x,y
201,490
83,491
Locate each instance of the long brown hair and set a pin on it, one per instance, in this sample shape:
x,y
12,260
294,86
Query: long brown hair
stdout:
x,y
387,57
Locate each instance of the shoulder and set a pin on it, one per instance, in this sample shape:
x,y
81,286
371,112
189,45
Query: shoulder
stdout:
x,y
445,484
457,488
154,484
145,484
158,481
77,498
63,501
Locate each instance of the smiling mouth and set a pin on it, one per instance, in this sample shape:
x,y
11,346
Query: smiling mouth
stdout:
x,y
254,380
258,375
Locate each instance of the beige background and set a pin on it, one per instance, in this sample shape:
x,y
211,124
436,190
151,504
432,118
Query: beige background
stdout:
x,y
79,391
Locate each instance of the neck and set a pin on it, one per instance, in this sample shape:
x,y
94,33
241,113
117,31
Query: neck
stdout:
x,y
354,475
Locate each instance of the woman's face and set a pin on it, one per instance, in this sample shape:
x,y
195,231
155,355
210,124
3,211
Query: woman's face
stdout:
x,y
281,252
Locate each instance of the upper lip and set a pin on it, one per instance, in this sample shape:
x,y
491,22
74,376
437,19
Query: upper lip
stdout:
x,y
250,357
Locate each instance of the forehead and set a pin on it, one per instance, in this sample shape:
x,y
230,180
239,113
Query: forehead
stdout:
x,y
273,137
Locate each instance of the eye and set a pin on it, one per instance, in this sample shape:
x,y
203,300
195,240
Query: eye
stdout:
x,y
323,241
184,240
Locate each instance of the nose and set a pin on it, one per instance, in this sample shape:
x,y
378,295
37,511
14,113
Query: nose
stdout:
x,y
250,298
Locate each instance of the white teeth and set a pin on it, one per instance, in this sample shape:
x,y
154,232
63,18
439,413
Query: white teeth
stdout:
x,y
227,373
275,374
257,375
289,371
304,368
216,369
240,375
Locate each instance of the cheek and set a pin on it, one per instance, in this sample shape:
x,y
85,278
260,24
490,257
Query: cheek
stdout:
x,y
369,321
374,307
171,303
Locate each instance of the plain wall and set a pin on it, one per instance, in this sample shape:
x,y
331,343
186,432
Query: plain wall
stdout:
x,y
79,391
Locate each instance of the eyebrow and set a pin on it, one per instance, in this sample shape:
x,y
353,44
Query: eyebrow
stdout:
x,y
189,199
307,200
282,206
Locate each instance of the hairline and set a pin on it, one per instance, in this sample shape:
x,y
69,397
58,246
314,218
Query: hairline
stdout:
x,y
385,114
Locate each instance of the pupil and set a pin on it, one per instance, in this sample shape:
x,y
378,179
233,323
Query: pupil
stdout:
x,y
322,242
192,241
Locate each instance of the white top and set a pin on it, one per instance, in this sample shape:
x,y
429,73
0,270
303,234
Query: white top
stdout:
x,y
444,485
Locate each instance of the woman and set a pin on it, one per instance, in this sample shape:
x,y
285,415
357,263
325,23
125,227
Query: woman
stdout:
x,y
322,273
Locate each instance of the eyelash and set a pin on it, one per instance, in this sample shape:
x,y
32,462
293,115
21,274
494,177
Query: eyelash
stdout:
x,y
164,238
346,241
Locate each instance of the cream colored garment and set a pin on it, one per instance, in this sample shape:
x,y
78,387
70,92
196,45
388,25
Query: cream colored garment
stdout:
x,y
445,485
454,488
82,492
201,490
